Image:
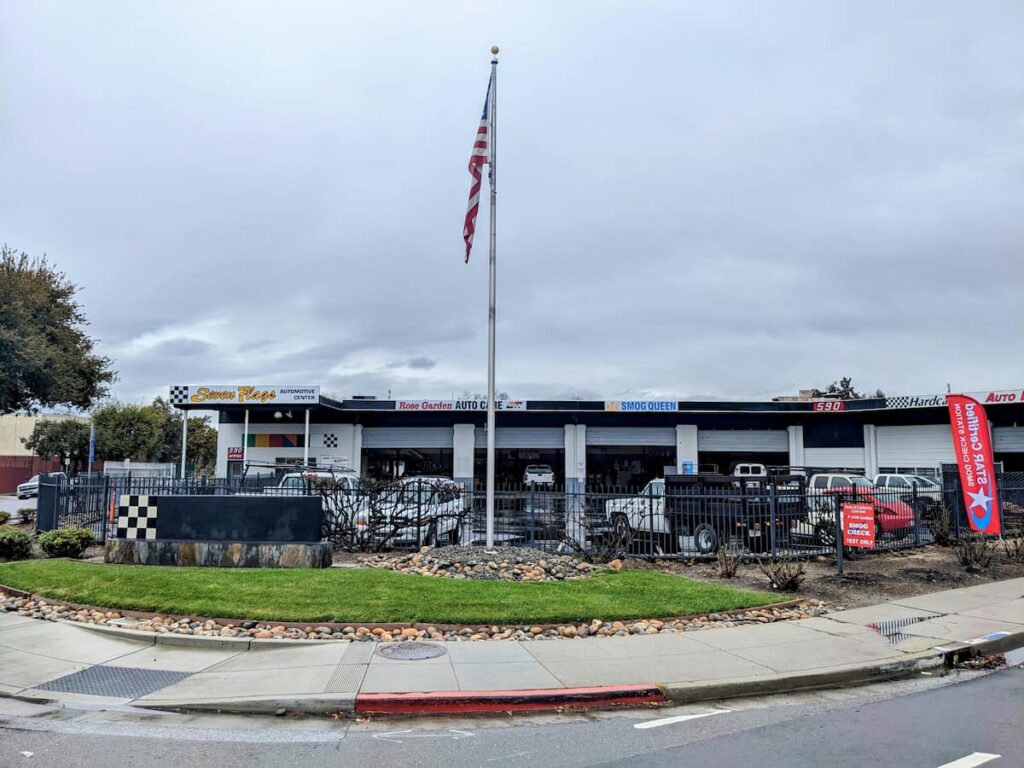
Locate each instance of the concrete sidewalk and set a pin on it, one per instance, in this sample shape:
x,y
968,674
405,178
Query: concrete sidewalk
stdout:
x,y
72,663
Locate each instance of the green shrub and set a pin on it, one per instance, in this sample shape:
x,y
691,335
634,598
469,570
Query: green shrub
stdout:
x,y
4,517
15,544
66,542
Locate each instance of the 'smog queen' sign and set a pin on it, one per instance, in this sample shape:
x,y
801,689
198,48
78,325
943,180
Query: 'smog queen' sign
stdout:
x,y
244,394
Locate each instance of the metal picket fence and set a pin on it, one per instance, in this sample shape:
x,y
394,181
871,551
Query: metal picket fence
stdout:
x,y
682,517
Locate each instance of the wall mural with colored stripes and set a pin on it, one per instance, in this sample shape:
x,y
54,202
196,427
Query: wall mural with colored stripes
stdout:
x,y
276,441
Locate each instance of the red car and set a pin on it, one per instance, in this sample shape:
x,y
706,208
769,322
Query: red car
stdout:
x,y
891,515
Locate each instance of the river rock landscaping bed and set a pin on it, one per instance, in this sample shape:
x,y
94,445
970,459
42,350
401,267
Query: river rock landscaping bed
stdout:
x,y
500,563
37,608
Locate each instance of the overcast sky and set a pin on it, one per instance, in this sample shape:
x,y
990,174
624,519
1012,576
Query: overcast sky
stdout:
x,y
696,199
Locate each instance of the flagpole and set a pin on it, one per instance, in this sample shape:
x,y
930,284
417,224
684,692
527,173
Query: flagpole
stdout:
x,y
491,314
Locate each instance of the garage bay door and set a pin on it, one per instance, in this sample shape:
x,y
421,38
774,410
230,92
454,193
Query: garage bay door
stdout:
x,y
407,437
925,445
631,436
743,440
524,437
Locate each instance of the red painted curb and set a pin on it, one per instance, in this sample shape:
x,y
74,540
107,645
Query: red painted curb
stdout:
x,y
455,702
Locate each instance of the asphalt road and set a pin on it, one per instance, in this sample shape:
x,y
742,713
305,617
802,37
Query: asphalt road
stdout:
x,y
925,722
12,504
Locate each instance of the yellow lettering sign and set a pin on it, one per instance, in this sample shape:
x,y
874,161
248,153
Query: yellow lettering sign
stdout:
x,y
248,394
205,394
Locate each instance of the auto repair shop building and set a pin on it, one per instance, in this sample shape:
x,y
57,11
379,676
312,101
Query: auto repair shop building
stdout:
x,y
589,443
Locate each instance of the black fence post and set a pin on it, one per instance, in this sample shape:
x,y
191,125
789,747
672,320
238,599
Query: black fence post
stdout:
x,y
530,519
839,533
773,512
917,516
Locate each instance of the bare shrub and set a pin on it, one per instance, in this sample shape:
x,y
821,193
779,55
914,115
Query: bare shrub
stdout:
x,y
730,559
391,513
784,575
974,553
941,525
1013,548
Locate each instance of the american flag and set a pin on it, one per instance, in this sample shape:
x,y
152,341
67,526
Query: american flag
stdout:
x,y
477,158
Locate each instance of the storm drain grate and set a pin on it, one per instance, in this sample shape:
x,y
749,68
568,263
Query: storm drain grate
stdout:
x,y
116,682
411,651
890,629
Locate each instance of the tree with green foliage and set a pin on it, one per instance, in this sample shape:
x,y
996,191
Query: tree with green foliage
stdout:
x,y
844,390
127,431
46,358
202,438
60,438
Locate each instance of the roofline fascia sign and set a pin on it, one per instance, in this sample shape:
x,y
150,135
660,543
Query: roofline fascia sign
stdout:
x,y
245,394
640,406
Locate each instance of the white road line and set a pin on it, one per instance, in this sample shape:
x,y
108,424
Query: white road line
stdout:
x,y
680,719
971,760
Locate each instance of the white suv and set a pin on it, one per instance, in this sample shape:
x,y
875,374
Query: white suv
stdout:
x,y
541,474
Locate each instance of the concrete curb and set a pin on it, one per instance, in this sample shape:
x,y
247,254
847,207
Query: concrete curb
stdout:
x,y
314,704
192,641
829,677
998,642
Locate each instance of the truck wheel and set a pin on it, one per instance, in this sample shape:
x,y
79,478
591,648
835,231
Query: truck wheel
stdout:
x,y
430,539
705,539
621,530
455,535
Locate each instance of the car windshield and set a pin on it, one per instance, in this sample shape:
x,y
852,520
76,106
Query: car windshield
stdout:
x,y
538,468
860,482
923,481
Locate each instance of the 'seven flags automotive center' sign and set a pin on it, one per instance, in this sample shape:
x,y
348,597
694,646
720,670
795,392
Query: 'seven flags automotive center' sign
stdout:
x,y
972,444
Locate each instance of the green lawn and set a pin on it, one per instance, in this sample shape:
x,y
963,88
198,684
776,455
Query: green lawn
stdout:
x,y
370,595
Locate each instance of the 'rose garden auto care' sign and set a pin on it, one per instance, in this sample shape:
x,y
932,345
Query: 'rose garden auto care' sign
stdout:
x,y
972,444
458,405
859,525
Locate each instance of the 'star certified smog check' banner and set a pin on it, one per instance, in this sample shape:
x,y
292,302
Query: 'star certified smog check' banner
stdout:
x,y
640,406
244,394
972,444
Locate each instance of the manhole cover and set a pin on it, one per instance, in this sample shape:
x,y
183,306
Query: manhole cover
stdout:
x,y
411,651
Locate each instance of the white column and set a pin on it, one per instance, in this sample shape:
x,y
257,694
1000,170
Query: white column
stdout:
x,y
870,451
463,450
245,437
184,441
305,443
796,445
686,447
575,482
357,448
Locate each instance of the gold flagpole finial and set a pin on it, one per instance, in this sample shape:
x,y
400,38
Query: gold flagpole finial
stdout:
x,y
494,50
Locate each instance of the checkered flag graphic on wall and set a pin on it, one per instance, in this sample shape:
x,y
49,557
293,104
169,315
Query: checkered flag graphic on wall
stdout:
x,y
136,517
330,441
179,395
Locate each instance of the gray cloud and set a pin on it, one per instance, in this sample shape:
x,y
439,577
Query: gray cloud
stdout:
x,y
733,198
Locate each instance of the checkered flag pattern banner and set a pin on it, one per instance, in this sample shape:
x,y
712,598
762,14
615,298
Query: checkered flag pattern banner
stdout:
x,y
330,441
136,517
179,395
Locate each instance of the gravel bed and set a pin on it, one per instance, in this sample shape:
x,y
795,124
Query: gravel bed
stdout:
x,y
498,564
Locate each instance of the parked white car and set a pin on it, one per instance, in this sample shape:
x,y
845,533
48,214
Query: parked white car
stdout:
x,y
926,487
417,510
540,474
297,482
30,488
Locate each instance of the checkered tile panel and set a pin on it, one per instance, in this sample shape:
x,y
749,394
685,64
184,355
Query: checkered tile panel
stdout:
x,y
136,517
179,395
897,402
330,441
